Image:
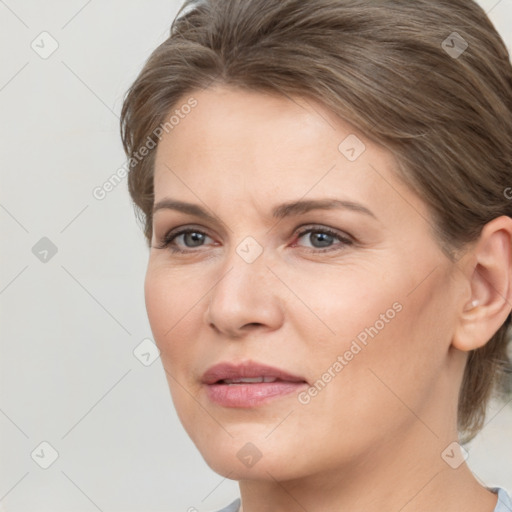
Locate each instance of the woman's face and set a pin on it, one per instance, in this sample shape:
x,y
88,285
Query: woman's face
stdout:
x,y
357,301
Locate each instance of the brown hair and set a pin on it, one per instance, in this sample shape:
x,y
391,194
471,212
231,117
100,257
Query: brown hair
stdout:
x,y
430,80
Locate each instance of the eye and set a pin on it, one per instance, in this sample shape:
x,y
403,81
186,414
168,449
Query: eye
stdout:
x,y
322,238
191,237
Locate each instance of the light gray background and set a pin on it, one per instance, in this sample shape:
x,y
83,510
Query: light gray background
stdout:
x,y
70,325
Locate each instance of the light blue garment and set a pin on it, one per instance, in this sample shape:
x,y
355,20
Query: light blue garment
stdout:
x,y
234,507
504,502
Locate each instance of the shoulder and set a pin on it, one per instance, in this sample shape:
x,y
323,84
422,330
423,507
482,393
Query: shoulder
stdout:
x,y
234,506
504,503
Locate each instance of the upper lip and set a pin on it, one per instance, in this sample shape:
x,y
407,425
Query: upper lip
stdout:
x,y
248,369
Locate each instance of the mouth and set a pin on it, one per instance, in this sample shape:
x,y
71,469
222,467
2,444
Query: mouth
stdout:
x,y
249,380
250,384
248,372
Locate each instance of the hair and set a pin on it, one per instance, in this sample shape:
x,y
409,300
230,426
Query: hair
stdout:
x,y
430,80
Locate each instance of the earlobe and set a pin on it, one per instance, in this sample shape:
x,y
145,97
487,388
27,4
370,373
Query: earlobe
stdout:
x,y
490,279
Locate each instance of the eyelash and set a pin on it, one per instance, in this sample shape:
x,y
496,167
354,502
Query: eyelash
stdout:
x,y
171,236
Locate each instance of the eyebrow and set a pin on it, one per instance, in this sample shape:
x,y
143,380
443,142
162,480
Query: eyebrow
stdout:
x,y
281,211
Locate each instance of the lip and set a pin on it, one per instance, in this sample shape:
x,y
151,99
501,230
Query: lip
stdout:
x,y
248,369
247,395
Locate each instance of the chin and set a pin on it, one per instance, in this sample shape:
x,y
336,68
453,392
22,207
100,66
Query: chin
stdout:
x,y
266,468
239,458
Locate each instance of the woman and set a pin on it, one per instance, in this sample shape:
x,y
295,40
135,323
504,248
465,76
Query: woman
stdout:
x,y
323,186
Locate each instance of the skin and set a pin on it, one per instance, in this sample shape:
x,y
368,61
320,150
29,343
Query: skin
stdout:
x,y
372,439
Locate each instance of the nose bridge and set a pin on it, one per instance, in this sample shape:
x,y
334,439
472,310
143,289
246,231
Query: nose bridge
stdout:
x,y
245,271
246,292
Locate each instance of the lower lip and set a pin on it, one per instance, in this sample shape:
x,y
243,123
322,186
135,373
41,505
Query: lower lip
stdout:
x,y
251,395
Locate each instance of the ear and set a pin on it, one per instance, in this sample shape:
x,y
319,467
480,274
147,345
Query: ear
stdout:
x,y
488,271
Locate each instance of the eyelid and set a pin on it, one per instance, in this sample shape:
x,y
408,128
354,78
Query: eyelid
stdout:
x,y
301,230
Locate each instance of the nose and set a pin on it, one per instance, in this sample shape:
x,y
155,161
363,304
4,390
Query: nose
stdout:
x,y
246,297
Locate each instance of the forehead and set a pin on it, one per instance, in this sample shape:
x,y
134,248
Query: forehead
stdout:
x,y
240,143
235,123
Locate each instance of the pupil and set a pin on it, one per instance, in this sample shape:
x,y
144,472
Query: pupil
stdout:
x,y
323,237
196,237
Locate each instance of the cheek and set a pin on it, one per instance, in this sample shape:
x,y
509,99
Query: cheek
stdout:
x,y
176,315
169,307
376,328
170,312
169,299
159,299
348,302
